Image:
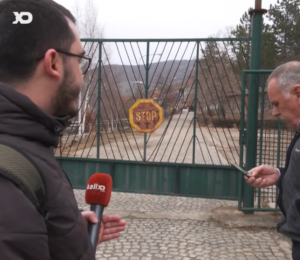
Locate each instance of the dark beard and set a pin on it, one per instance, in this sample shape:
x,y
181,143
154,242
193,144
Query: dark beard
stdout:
x,y
66,95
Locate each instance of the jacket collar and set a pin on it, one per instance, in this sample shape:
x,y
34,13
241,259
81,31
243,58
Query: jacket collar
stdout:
x,y
19,116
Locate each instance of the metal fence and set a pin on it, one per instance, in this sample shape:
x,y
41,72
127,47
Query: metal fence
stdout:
x,y
272,146
273,139
196,82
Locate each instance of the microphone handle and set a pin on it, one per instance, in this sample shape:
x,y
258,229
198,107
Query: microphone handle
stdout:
x,y
93,229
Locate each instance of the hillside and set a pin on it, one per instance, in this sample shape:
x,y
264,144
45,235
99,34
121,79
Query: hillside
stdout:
x,y
127,75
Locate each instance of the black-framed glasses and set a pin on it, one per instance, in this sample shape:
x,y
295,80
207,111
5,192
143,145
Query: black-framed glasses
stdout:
x,y
85,61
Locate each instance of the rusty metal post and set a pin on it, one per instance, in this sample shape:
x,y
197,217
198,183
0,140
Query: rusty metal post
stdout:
x,y
257,4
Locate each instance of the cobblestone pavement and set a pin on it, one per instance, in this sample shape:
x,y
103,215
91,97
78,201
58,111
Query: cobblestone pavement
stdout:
x,y
163,227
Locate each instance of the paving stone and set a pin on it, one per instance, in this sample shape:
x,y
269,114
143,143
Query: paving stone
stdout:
x,y
183,239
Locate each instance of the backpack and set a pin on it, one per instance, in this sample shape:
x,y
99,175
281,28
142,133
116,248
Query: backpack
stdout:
x,y
18,168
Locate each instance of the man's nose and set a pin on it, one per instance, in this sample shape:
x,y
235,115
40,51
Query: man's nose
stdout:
x,y
275,112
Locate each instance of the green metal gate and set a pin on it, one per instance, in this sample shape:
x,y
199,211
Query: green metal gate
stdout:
x,y
212,117
198,84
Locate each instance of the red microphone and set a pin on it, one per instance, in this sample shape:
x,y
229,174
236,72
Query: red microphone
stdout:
x,y
97,194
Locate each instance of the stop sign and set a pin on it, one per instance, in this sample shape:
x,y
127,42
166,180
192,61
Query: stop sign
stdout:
x,y
145,115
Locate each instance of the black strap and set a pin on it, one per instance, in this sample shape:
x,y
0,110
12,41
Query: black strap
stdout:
x,y
18,167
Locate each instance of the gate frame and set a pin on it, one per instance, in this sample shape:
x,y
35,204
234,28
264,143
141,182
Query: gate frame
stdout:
x,y
244,140
221,178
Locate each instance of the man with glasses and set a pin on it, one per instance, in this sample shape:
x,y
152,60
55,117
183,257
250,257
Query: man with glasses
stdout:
x,y
41,74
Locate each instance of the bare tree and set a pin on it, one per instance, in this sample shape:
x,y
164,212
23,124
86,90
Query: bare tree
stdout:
x,y
89,27
86,14
218,86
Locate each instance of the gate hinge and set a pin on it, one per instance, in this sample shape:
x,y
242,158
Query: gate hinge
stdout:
x,y
244,136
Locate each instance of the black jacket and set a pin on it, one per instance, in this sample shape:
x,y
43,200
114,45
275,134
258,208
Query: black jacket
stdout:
x,y
289,191
24,233
288,157
283,170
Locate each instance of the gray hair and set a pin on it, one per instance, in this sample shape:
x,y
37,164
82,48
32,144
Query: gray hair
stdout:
x,y
287,76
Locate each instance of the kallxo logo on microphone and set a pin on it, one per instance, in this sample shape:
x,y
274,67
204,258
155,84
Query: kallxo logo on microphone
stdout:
x,y
96,187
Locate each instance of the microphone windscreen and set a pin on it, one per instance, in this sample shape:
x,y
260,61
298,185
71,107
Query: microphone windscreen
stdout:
x,y
98,190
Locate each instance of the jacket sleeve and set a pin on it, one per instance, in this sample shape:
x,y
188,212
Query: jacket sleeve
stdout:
x,y
23,232
281,173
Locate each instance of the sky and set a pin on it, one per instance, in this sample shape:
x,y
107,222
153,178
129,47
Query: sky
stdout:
x,y
132,19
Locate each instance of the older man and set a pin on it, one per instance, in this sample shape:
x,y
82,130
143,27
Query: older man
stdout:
x,y
284,94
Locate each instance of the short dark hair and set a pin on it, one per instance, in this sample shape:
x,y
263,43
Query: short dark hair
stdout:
x,y
22,44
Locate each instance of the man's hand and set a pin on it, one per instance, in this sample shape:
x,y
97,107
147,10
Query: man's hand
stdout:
x,y
263,176
110,227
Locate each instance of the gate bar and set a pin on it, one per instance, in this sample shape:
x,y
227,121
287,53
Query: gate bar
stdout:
x,y
251,147
195,104
146,96
99,100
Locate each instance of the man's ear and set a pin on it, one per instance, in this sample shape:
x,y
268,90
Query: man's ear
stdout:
x,y
53,64
296,90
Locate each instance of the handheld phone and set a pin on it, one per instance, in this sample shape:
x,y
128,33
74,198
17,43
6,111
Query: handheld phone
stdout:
x,y
247,174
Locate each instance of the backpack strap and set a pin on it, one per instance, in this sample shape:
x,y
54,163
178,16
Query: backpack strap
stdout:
x,y
18,168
